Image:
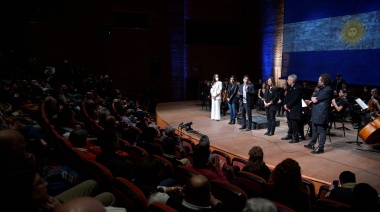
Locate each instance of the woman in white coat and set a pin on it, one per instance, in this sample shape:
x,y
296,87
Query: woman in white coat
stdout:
x,y
216,97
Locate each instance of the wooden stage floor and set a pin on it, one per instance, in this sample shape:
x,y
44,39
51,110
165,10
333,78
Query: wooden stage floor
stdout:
x,y
324,168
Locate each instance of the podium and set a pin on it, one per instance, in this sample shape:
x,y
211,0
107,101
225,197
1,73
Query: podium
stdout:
x,y
258,122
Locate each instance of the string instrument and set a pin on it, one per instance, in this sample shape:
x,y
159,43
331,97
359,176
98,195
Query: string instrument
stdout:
x,y
372,108
371,132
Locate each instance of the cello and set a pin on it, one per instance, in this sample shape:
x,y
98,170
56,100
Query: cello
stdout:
x,y
371,132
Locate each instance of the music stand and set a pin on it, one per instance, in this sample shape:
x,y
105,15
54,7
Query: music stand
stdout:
x,y
364,106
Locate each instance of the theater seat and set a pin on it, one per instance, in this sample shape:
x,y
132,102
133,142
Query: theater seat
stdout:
x,y
129,195
328,205
160,207
233,197
252,184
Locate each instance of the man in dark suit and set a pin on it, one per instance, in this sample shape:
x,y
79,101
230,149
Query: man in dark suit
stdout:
x,y
246,93
293,108
320,113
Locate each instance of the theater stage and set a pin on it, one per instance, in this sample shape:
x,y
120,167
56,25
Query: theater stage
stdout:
x,y
322,168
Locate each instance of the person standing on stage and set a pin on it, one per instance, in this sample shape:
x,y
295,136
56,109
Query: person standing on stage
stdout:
x,y
270,100
216,97
246,92
320,113
293,108
232,98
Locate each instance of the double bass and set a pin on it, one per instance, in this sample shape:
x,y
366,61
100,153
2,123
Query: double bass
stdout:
x,y
371,132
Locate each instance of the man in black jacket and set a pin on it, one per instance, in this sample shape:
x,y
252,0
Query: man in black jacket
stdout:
x,y
246,92
320,113
293,108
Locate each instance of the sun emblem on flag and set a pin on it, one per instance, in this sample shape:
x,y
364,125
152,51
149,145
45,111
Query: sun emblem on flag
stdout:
x,y
352,32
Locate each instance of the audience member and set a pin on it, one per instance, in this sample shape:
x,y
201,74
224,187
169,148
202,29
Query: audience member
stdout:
x,y
149,136
286,187
148,177
13,154
256,165
169,151
198,196
212,169
365,198
26,191
343,193
259,205
78,139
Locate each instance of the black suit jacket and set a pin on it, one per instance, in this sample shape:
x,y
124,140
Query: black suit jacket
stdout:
x,y
250,94
321,109
293,101
271,95
232,92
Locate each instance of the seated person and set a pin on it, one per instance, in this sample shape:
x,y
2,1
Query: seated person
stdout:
x,y
344,192
212,169
371,112
259,204
256,165
78,139
147,179
339,106
170,132
26,191
169,149
286,187
149,136
198,196
365,198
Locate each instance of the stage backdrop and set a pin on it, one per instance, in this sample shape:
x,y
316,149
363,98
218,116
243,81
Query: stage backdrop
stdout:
x,y
340,36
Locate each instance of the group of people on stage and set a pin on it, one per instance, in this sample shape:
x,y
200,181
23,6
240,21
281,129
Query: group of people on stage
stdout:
x,y
327,103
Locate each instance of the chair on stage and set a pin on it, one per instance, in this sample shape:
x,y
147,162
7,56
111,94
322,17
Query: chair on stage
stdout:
x,y
341,120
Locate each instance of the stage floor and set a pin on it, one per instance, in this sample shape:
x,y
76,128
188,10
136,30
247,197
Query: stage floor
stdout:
x,y
339,156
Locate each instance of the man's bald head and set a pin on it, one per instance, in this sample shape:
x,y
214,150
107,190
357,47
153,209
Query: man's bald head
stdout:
x,y
198,190
81,204
12,145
